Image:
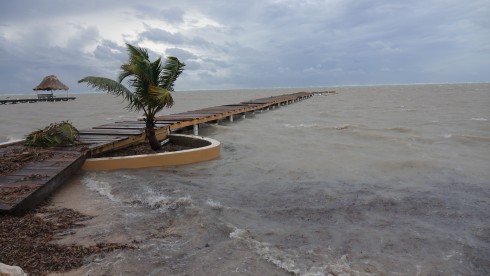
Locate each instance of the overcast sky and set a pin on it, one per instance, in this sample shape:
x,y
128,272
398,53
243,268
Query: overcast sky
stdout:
x,y
248,44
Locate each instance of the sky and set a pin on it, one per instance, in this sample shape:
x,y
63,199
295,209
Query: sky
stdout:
x,y
235,44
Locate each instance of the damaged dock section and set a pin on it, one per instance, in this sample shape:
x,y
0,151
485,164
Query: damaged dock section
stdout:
x,y
36,173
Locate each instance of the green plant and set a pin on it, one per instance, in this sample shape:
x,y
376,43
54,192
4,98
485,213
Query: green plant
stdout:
x,y
152,83
56,134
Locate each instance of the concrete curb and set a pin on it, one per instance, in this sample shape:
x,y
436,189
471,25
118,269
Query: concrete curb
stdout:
x,y
206,149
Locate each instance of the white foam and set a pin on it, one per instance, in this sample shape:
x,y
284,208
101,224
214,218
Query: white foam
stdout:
x,y
479,119
291,261
271,254
300,125
11,139
237,234
101,187
157,200
214,204
447,136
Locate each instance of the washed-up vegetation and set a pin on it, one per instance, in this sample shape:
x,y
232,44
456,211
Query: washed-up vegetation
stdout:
x,y
28,241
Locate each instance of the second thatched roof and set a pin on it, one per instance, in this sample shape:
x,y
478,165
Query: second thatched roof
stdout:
x,y
51,83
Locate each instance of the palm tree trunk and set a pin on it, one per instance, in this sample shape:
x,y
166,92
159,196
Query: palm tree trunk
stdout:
x,y
150,134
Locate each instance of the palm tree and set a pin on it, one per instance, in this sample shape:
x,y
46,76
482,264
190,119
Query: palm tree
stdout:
x,y
152,83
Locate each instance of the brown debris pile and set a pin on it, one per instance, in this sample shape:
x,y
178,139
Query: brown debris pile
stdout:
x,y
11,194
15,158
27,241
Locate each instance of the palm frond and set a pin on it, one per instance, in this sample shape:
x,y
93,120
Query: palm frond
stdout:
x,y
113,87
137,53
161,96
125,72
171,71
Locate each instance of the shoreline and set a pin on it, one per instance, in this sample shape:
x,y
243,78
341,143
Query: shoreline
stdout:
x,y
46,239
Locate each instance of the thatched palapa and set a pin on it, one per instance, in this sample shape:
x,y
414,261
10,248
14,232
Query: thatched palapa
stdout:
x,y
51,83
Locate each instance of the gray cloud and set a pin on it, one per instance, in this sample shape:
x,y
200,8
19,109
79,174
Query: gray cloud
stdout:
x,y
237,44
161,35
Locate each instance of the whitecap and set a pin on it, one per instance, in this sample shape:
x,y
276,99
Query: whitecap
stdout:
x,y
156,200
341,127
447,135
237,234
11,139
300,125
479,119
214,204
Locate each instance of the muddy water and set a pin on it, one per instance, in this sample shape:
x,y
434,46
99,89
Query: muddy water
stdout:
x,y
390,180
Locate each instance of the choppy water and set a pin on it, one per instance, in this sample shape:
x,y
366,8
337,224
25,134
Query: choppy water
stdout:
x,y
390,180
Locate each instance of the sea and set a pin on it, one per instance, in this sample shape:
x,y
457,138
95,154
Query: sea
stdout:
x,y
371,180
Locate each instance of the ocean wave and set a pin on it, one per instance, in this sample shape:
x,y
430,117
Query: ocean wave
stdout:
x,y
148,197
156,200
101,187
342,127
300,125
291,260
399,129
9,139
214,204
479,119
471,139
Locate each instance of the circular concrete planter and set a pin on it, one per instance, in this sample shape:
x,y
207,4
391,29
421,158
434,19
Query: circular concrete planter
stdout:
x,y
204,149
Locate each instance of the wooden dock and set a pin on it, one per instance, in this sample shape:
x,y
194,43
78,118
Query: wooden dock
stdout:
x,y
35,100
26,187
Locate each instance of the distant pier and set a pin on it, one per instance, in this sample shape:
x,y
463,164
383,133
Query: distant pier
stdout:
x,y
324,93
35,100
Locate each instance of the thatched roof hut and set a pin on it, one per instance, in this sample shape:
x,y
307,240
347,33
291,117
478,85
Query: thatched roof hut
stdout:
x,y
51,83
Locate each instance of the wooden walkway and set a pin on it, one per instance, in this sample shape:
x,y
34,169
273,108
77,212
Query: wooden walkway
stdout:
x,y
33,100
25,188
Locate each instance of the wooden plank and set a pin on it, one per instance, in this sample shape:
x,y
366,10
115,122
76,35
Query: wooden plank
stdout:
x,y
208,112
111,131
47,189
120,126
196,115
173,119
101,136
158,124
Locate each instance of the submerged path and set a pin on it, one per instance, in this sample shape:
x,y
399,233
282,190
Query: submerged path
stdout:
x,y
29,185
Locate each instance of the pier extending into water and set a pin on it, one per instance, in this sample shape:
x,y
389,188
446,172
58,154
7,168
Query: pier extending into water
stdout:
x,y
28,186
35,100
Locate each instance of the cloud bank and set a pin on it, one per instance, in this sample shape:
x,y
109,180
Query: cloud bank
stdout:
x,y
249,44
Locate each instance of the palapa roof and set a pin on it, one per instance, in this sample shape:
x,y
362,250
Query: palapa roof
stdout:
x,y
51,83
